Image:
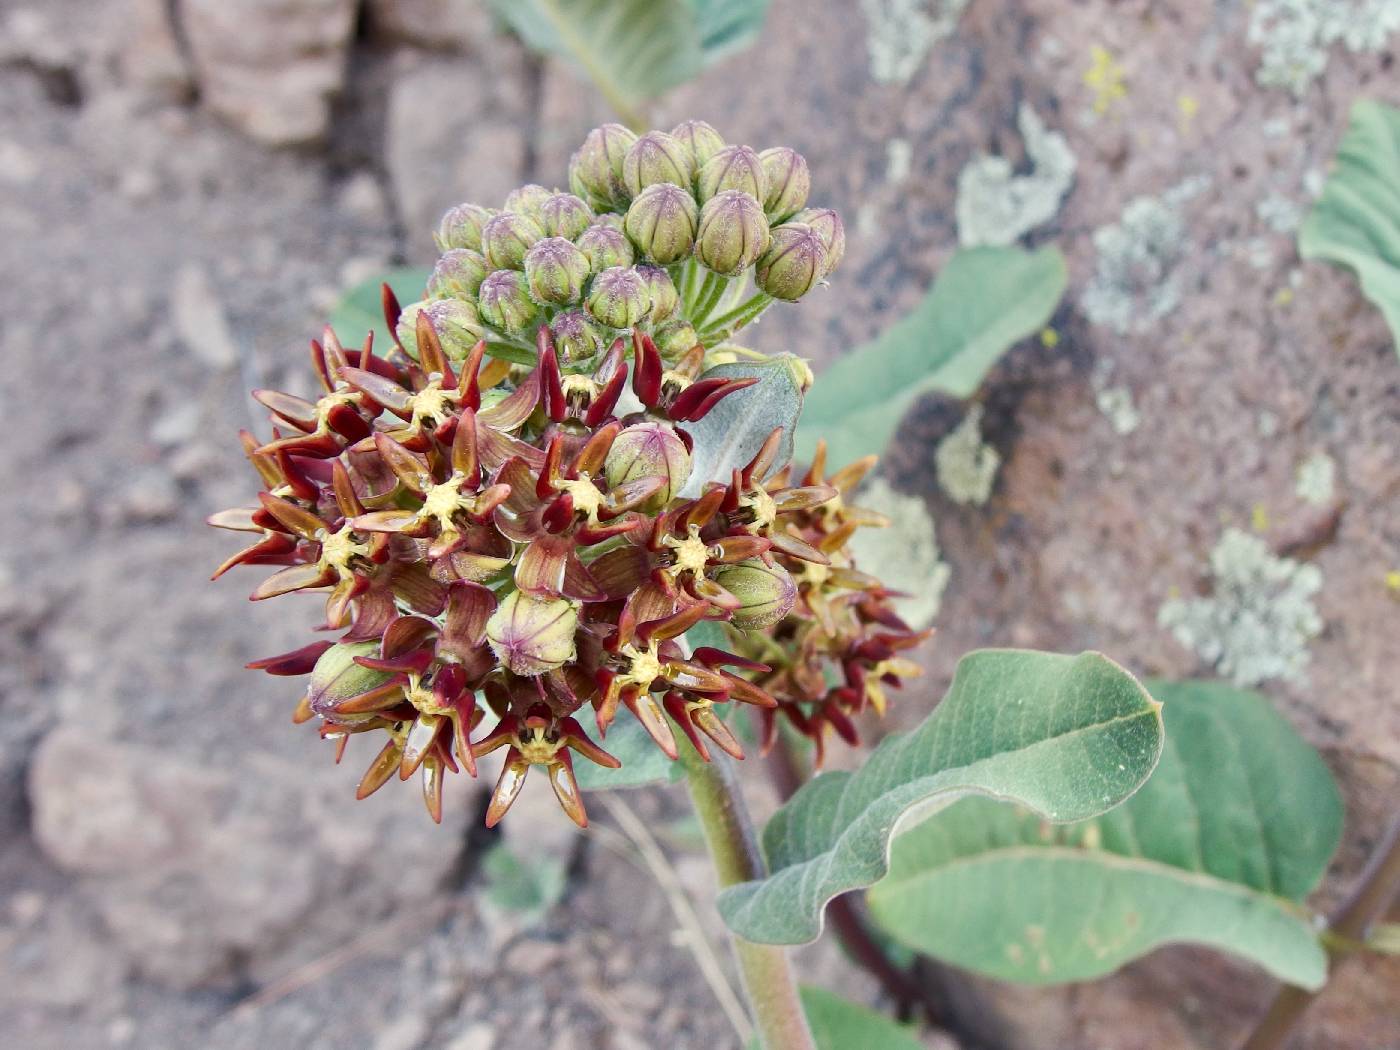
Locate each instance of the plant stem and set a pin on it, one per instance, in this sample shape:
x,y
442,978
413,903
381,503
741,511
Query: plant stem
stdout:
x,y
727,324
1378,889
729,833
711,292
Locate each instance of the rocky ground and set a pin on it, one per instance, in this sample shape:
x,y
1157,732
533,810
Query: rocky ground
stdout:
x,y
184,197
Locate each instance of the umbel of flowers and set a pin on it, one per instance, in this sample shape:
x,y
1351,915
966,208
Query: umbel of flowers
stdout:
x,y
500,509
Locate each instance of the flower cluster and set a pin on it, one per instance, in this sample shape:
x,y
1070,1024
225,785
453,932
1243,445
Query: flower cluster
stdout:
x,y
500,509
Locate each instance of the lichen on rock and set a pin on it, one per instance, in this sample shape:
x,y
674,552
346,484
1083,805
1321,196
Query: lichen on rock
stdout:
x,y
966,465
1259,618
1317,479
1295,36
996,206
901,32
906,550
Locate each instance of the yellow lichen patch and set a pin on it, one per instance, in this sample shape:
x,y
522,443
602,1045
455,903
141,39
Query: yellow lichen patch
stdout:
x,y
1392,582
1105,78
1259,518
1187,106
1049,338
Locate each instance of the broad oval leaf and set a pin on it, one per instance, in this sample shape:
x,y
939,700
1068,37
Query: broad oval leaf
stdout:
x,y
1235,826
726,26
1356,221
732,432
839,1024
983,302
360,309
1067,736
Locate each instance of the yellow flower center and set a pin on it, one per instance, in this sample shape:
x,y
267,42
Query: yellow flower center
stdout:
x,y
691,553
432,403
536,747
644,665
443,501
343,395
762,507
588,498
339,549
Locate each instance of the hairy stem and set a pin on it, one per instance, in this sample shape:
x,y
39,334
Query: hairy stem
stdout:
x,y
722,327
1377,891
711,292
729,833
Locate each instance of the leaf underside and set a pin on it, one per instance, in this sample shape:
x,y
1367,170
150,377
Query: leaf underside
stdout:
x,y
361,310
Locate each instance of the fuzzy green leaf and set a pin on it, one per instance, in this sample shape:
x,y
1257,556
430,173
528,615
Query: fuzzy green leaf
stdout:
x,y
726,26
1234,828
839,1024
983,302
359,309
1356,221
1067,736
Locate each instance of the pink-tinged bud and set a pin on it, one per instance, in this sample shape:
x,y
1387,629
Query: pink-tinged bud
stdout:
x,y
555,271
528,200
662,291
461,227
649,450
789,182
595,172
504,302
733,232
766,593
604,247
674,338
618,297
577,336
828,226
458,274
507,237
700,141
531,635
661,223
565,215
732,168
794,263
653,158
455,322
337,678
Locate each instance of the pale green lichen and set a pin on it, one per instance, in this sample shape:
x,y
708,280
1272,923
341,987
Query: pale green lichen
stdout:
x,y
906,551
901,32
966,465
1279,213
899,159
1259,618
1317,479
1296,36
996,206
1115,402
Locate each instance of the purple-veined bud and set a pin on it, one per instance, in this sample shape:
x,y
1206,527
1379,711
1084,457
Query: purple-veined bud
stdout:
x,y
828,226
604,247
458,274
565,215
618,297
793,264
789,182
766,593
649,450
611,219
655,157
661,223
577,336
662,291
595,172
337,678
507,237
455,322
504,302
555,271
531,635
699,139
528,200
674,338
461,227
732,168
733,232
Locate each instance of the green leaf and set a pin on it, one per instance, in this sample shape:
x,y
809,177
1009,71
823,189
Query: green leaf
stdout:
x,y
359,310
642,761
1236,825
521,888
1356,221
839,1024
983,302
726,26
1068,736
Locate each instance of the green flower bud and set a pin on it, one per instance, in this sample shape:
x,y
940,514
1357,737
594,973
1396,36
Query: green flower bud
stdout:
x,y
794,262
766,593
732,168
618,297
655,157
555,271
457,275
604,247
661,222
733,232
649,450
454,322
461,227
595,172
528,200
565,215
531,635
577,336
661,290
337,678
699,139
829,228
674,338
507,237
504,302
609,219
789,182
